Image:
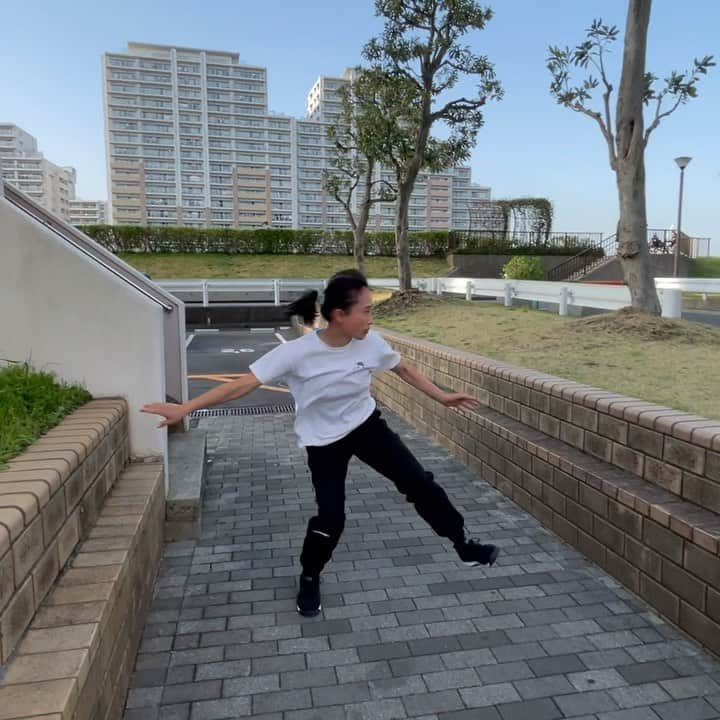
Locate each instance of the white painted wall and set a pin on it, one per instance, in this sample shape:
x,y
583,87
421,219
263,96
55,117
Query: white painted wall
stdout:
x,y
63,312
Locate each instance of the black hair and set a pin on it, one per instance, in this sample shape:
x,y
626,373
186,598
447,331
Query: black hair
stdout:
x,y
340,293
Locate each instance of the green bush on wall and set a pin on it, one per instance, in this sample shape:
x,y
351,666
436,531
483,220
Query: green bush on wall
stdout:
x,y
32,402
524,267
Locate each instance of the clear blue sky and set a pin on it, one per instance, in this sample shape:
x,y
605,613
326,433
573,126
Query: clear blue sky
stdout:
x,y
51,55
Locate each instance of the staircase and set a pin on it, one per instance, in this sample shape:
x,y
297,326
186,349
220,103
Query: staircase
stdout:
x,y
592,262
591,258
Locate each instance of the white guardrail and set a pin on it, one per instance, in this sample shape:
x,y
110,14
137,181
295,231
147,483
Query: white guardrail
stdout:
x,y
564,295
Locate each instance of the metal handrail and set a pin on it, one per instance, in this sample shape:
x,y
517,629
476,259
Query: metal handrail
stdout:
x,y
589,258
79,241
584,260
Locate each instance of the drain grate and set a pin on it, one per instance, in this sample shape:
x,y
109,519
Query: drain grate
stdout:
x,y
247,410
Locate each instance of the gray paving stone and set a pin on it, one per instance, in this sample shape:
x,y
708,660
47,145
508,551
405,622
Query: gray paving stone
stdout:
x,y
250,650
148,678
196,657
522,651
550,686
486,695
220,670
424,703
586,703
695,709
220,709
543,709
278,664
397,687
326,713
447,680
687,687
146,713
434,646
596,679
637,695
181,674
467,658
363,671
505,672
390,709
599,659
643,713
144,697
484,713
205,690
406,631
556,665
567,646
331,658
297,679
251,685
416,665
340,694
281,701
178,711
647,672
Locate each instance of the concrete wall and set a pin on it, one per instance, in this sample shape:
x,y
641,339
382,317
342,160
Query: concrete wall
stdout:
x,y
63,312
491,266
660,266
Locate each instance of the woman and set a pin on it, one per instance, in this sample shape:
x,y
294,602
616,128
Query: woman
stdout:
x,y
328,373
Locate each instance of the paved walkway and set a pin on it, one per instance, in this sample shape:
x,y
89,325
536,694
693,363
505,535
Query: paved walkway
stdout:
x,y
406,630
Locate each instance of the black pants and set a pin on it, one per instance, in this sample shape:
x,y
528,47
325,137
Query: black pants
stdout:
x,y
378,446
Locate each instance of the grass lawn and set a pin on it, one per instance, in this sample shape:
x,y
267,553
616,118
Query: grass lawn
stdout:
x,y
216,265
708,267
673,363
30,404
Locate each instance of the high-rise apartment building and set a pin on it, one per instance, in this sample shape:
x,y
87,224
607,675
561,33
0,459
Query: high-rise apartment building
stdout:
x,y
323,100
16,141
24,166
190,141
87,212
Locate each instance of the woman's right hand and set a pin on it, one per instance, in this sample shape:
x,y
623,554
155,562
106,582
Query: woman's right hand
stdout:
x,y
171,412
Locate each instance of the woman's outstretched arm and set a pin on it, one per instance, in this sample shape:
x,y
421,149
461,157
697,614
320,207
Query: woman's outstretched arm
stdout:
x,y
415,378
174,413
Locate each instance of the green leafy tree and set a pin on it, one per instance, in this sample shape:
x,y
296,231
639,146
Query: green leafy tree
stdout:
x,y
627,137
418,59
358,145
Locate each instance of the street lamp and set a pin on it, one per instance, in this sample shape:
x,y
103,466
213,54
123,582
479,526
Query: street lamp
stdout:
x,y
682,163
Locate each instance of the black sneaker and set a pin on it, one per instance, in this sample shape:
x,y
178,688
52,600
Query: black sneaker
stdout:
x,y
308,599
473,553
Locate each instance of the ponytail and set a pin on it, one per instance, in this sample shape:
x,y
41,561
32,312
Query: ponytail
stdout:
x,y
340,293
305,306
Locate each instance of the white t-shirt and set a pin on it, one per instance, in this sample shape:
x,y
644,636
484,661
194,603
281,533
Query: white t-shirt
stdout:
x,y
331,385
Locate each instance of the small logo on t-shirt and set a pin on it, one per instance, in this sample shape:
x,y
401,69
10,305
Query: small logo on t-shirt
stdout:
x,y
360,364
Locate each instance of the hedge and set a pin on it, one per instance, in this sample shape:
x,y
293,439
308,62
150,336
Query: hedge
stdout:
x,y
276,241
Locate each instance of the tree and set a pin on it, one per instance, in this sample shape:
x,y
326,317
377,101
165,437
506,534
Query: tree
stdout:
x,y
357,139
419,58
627,143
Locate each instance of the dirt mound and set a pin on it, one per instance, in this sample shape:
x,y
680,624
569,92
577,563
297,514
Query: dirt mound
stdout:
x,y
646,327
400,303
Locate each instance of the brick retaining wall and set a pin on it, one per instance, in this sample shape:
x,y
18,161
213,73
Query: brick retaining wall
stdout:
x,y
633,485
50,496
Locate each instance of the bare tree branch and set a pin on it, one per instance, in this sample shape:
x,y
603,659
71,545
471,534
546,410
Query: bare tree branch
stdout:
x,y
659,116
459,104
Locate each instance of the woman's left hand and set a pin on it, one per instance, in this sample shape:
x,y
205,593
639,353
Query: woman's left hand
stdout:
x,y
460,401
